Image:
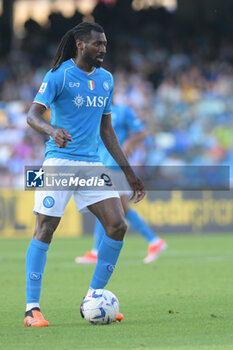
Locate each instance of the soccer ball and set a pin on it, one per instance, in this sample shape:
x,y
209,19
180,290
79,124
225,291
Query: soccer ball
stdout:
x,y
100,307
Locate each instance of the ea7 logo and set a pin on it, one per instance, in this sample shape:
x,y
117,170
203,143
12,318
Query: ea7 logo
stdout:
x,y
71,84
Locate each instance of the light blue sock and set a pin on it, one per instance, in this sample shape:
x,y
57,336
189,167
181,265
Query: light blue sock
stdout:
x,y
35,264
108,253
139,225
98,234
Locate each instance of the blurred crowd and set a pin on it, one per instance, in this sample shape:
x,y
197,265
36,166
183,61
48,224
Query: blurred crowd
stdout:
x,y
180,84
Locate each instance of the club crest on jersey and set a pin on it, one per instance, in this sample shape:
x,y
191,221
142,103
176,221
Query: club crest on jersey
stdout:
x,y
43,88
91,84
106,85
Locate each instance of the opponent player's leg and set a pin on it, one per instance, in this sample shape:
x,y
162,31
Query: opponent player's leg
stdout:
x,y
98,234
90,256
35,264
155,244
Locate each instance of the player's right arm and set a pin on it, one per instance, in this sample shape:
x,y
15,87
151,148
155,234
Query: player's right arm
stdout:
x,y
50,89
36,120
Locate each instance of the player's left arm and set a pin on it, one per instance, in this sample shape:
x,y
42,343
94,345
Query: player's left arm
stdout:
x,y
112,144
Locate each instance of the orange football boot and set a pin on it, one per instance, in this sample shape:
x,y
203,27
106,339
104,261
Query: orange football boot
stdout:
x,y
154,250
119,317
34,318
89,258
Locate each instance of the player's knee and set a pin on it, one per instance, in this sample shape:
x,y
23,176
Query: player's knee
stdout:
x,y
117,230
44,232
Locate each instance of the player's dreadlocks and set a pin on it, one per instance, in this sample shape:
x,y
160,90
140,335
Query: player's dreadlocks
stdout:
x,y
67,47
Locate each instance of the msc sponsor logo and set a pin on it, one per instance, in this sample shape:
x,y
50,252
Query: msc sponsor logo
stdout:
x,y
94,101
78,101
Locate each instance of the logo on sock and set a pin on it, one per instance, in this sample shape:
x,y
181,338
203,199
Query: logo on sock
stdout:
x,y
110,268
35,276
48,202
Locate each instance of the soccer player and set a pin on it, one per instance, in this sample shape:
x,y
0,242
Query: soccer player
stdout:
x,y
130,131
79,93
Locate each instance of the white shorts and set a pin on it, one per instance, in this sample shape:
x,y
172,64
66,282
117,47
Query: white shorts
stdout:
x,y
53,203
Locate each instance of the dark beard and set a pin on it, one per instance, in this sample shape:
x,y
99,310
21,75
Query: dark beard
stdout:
x,y
92,62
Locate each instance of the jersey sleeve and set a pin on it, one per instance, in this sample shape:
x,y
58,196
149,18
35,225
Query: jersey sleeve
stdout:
x,y
107,109
133,123
49,89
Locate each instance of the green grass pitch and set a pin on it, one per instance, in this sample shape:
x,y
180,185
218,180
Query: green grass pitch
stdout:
x,y
182,301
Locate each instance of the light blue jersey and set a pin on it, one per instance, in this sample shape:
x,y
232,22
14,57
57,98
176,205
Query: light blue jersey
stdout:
x,y
77,100
125,123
